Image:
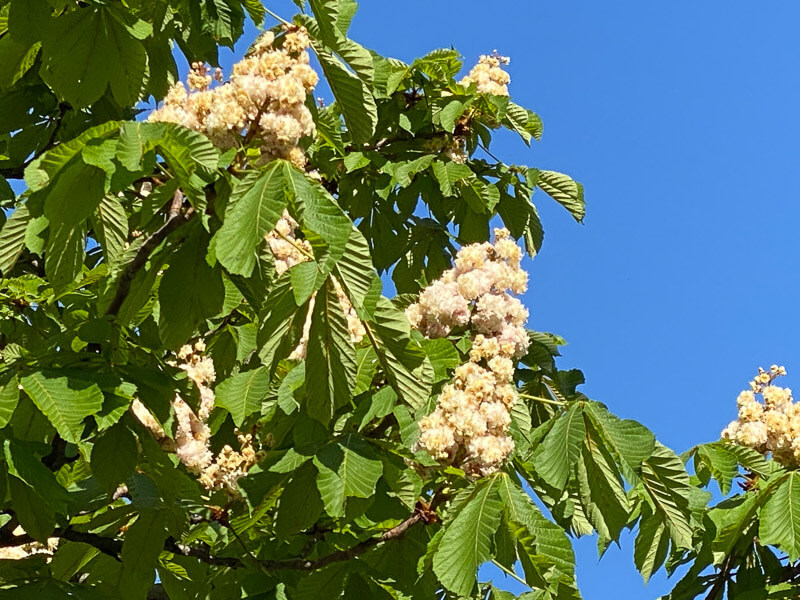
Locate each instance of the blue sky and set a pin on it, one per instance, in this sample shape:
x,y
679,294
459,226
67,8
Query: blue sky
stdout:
x,y
681,121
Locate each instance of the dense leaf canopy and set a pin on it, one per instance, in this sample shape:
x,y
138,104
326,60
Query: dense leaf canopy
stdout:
x,y
140,254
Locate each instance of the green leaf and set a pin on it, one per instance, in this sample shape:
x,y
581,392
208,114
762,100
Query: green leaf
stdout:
x,y
629,442
443,356
467,539
352,95
114,456
780,517
110,225
23,464
549,540
255,206
300,504
357,275
403,360
667,484
35,516
63,259
9,397
242,394
651,546
144,541
330,359
564,190
561,447
64,400
17,59
325,225
526,123
86,51
602,493
346,469
190,291
12,238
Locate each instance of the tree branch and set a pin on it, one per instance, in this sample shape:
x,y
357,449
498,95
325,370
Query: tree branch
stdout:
x,y
175,219
299,564
113,547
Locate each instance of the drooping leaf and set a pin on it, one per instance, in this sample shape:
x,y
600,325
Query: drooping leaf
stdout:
x,y
630,442
780,517
667,484
144,541
330,359
651,546
561,447
467,539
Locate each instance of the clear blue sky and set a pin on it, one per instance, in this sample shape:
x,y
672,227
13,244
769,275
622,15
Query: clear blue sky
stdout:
x,y
681,121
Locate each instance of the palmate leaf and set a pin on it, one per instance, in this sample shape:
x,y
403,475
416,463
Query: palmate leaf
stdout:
x,y
602,493
357,275
331,358
300,503
242,394
629,442
667,484
64,400
347,468
114,456
467,539
561,447
85,51
254,208
780,517
526,123
23,464
544,538
9,397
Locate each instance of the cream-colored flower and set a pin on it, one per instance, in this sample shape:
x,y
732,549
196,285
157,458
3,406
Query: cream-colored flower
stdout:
x,y
471,419
264,99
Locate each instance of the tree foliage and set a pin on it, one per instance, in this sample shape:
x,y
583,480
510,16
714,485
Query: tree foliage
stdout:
x,y
131,239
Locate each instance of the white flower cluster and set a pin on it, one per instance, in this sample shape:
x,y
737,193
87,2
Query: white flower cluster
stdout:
x,y
264,99
488,75
289,250
469,426
773,426
192,434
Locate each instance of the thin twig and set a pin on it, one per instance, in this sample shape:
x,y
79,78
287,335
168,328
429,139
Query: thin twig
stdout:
x,y
277,17
510,573
540,399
